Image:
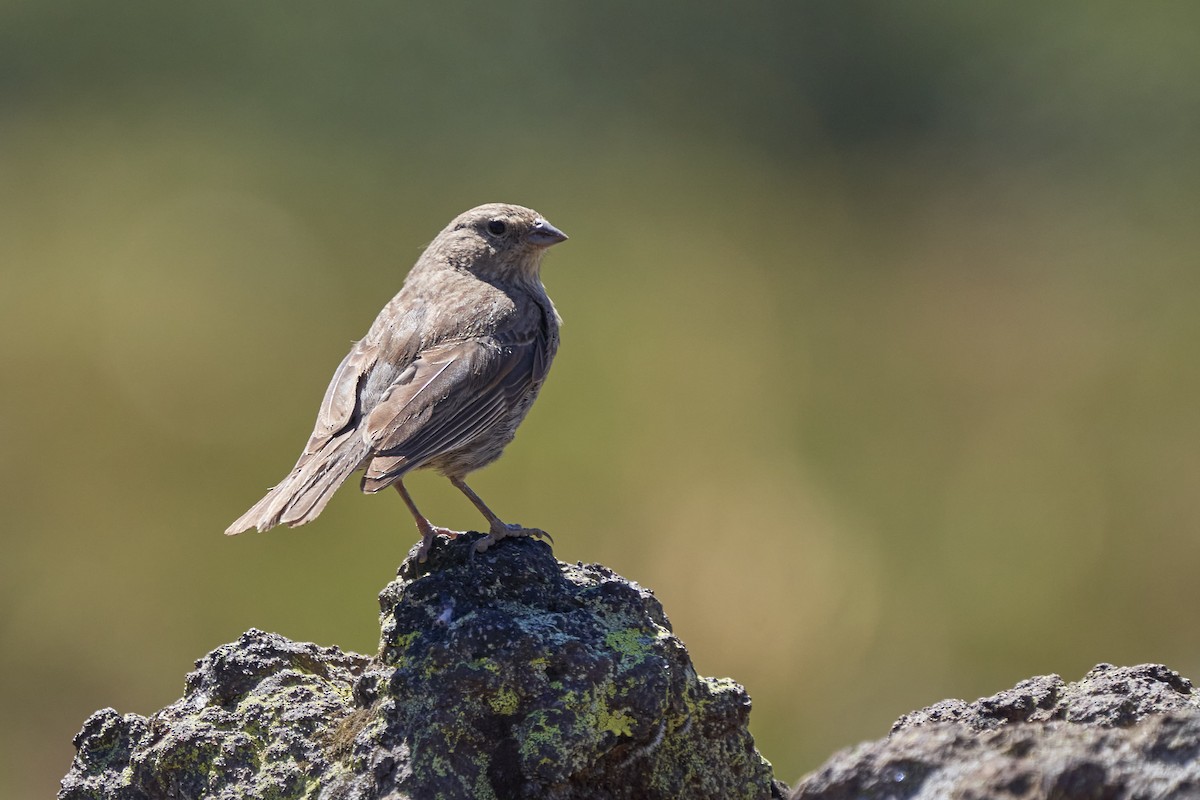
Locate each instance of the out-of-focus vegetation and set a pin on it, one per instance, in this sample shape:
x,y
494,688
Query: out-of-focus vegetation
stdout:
x,y
881,360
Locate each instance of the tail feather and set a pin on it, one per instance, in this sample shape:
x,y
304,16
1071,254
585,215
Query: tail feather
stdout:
x,y
303,494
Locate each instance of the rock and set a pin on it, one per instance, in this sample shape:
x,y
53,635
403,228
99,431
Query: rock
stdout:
x,y
1129,732
505,674
259,718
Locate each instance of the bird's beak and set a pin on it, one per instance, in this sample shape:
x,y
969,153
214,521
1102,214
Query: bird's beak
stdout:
x,y
543,234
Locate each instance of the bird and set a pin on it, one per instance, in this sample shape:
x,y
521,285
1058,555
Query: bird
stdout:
x,y
442,378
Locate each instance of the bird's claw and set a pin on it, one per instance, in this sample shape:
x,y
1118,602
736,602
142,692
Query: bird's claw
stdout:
x,y
427,537
502,531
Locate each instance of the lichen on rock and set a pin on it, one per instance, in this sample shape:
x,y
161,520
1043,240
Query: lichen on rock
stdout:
x,y
504,674
544,679
255,721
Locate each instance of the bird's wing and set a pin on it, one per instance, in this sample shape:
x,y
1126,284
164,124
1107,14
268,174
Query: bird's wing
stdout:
x,y
341,397
449,395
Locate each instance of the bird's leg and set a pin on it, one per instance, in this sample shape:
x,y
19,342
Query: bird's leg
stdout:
x,y
428,530
499,529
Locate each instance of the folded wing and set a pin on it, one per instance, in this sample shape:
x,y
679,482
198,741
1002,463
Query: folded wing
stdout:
x,y
450,395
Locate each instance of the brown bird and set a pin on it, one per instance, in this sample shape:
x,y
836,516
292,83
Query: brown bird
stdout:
x,y
441,380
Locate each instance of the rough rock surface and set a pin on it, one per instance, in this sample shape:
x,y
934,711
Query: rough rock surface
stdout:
x,y
1120,733
503,675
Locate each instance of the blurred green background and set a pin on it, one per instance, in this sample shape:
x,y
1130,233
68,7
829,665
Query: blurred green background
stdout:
x,y
880,361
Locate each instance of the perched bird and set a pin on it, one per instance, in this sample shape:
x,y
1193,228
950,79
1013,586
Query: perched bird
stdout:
x,y
441,380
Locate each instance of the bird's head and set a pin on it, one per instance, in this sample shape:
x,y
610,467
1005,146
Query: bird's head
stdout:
x,y
497,240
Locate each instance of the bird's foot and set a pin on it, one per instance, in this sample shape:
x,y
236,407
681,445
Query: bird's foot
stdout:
x,y
502,531
427,536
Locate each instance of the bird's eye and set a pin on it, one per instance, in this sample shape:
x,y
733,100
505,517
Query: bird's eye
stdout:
x,y
496,227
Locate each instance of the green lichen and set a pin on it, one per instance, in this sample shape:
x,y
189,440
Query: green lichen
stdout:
x,y
618,722
486,664
483,787
631,643
684,758
405,639
541,739
505,701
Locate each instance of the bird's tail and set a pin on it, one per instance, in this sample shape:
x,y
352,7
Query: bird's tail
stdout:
x,y
302,495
